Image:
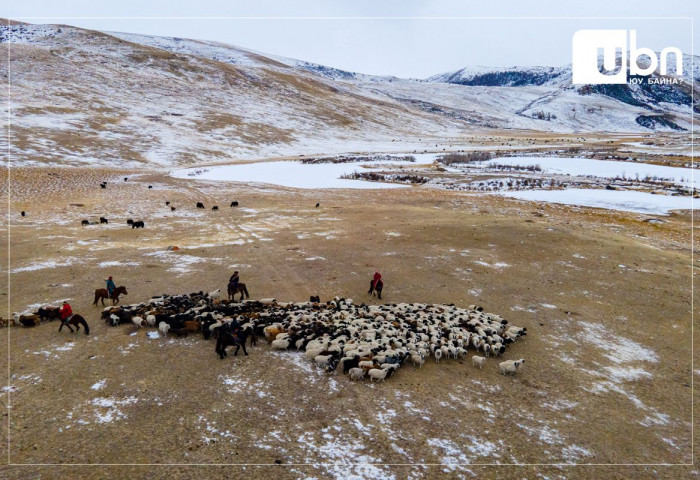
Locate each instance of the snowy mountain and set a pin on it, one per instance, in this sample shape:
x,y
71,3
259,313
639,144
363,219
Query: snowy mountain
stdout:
x,y
85,97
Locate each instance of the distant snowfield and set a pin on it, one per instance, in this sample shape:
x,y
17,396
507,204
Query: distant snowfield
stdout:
x,y
602,168
297,174
623,200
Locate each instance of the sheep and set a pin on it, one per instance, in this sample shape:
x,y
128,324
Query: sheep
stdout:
x,y
378,374
357,374
114,320
418,359
478,361
151,320
322,360
366,364
438,355
138,321
163,327
215,295
280,344
510,367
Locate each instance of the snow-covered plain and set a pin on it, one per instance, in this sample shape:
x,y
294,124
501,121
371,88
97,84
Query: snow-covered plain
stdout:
x,y
602,168
623,200
291,174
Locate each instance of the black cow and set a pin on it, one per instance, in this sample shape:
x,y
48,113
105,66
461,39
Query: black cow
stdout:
x,y
85,222
234,204
167,203
172,209
103,220
138,224
150,187
318,205
103,184
129,222
200,205
214,207
126,178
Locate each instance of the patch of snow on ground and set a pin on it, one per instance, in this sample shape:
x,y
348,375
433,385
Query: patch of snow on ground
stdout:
x,y
99,385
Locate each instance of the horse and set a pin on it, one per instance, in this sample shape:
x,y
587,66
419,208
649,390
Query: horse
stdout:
x,y
75,320
226,338
240,288
101,294
376,289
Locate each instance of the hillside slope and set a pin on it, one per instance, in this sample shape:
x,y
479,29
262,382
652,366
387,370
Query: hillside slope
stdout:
x,y
85,97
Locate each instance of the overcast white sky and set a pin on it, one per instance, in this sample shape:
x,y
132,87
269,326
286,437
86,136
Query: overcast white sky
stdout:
x,y
412,47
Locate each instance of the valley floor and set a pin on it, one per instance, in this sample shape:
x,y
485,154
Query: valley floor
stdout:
x,y
605,296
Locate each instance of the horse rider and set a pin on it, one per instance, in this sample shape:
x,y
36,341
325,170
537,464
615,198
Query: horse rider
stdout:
x,y
375,281
66,312
233,281
110,286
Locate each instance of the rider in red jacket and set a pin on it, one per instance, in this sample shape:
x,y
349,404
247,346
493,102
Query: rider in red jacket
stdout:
x,y
65,312
376,279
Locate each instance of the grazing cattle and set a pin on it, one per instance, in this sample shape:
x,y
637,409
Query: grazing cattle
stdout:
x,y
23,214
167,203
103,220
150,187
200,205
126,178
318,205
85,222
138,224
214,207
103,184
234,204
129,222
172,209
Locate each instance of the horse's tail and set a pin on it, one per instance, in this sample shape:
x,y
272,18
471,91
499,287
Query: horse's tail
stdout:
x,y
82,321
245,290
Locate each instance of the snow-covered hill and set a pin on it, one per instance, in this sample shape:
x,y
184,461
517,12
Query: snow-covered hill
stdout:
x,y
86,97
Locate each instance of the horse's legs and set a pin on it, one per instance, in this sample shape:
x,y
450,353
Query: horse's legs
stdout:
x,y
244,350
238,346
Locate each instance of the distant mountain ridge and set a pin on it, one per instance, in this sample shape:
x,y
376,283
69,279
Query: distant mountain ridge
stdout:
x,y
87,97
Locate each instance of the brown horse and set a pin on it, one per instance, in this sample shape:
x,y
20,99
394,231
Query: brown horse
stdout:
x,y
101,294
240,288
75,320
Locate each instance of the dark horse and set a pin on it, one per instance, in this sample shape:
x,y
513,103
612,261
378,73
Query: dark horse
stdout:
x,y
75,320
226,338
101,294
376,288
240,288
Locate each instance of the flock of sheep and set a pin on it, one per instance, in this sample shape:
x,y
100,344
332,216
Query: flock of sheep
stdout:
x,y
365,341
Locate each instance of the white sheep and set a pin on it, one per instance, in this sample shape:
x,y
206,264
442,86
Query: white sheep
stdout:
x,y
163,327
215,295
138,321
510,367
378,374
366,363
151,320
357,373
438,355
282,344
322,360
418,359
478,361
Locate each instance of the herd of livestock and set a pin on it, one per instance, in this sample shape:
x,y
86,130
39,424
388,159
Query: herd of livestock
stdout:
x,y
364,341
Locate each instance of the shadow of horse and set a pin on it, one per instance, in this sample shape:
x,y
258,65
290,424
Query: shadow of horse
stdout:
x,y
101,294
240,288
75,320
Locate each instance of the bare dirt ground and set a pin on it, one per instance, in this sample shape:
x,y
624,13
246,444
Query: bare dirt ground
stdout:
x,y
605,296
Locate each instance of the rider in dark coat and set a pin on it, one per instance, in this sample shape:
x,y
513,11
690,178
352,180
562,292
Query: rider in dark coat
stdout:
x,y
233,281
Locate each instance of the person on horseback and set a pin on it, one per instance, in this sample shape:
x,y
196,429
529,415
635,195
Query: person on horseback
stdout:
x,y
233,281
110,286
375,281
65,311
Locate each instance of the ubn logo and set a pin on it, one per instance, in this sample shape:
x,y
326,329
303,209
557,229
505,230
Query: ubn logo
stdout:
x,y
587,45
